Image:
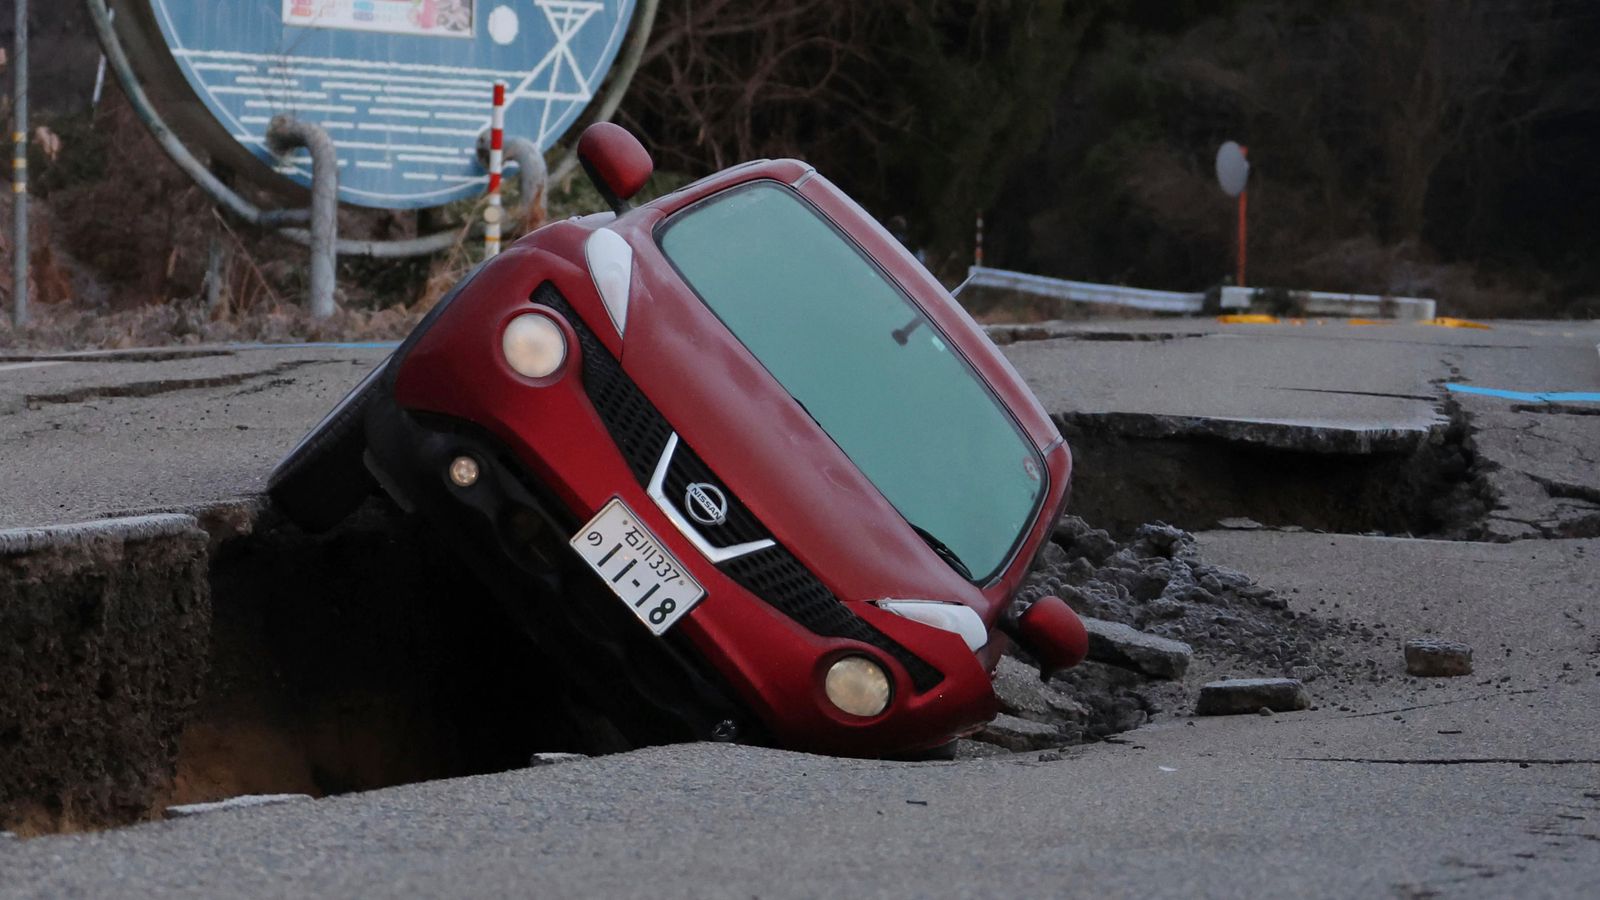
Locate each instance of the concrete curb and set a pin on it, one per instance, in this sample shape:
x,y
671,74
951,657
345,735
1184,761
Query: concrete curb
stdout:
x,y
19,541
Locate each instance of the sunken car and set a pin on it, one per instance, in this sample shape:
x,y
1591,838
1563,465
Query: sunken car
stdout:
x,y
736,461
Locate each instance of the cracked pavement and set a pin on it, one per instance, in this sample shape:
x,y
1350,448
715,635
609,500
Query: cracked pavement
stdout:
x,y
1340,388
1481,786
91,435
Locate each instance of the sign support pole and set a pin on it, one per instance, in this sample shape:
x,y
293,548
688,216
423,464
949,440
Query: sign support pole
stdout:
x,y
1244,229
19,169
494,213
1243,235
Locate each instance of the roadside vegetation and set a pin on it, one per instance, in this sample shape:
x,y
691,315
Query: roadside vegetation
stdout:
x,y
1407,146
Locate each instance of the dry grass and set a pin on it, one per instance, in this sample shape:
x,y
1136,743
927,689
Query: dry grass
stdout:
x,y
185,323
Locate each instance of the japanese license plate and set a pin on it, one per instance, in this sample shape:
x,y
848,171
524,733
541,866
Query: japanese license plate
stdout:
x,y
628,558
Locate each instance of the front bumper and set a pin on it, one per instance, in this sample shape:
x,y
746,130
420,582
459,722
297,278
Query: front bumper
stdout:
x,y
512,534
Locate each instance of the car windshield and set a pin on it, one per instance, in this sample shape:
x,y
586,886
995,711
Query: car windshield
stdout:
x,y
854,350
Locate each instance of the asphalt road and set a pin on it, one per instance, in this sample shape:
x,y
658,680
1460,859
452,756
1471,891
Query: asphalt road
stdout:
x,y
1485,786
90,435
87,436
1487,794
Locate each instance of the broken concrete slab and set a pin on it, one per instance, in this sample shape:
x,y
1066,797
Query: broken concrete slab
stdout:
x,y
1538,460
1123,645
1239,696
1017,734
249,801
966,748
1437,658
1023,694
104,636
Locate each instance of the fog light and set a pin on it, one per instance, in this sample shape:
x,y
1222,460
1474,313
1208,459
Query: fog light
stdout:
x,y
858,686
534,345
464,471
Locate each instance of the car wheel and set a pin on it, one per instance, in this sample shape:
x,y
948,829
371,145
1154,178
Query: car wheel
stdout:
x,y
323,479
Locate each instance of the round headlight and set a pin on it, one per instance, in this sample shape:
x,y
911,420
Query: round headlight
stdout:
x,y
534,345
858,686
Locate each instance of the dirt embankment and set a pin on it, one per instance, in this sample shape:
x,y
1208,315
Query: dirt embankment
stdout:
x,y
104,638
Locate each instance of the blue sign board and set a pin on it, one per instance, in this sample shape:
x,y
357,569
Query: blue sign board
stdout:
x,y
404,87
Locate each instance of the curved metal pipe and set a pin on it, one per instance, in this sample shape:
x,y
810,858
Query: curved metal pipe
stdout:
x,y
533,177
284,134
213,186
220,193
225,197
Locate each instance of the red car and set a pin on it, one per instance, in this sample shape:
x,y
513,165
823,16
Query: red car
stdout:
x,y
733,457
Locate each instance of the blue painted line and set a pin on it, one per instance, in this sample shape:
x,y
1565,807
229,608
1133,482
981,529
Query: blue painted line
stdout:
x,y
1526,396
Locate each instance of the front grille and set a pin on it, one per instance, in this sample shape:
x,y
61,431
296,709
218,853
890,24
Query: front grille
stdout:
x,y
639,431
777,577
741,527
773,574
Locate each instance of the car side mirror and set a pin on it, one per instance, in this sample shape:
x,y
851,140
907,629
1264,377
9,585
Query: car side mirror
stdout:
x,y
616,162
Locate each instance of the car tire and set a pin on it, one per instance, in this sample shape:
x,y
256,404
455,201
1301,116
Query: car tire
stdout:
x,y
323,479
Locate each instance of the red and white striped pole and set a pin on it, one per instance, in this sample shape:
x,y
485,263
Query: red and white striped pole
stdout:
x,y
977,244
494,213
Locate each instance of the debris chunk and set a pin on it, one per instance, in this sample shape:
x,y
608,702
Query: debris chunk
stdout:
x,y
1306,673
552,759
1435,658
245,802
1242,696
970,749
1122,645
1022,694
1017,734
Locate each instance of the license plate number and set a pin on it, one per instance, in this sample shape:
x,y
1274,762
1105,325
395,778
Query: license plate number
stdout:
x,y
638,569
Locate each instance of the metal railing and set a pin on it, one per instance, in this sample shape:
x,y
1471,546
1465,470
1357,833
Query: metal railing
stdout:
x,y
1085,292
1316,303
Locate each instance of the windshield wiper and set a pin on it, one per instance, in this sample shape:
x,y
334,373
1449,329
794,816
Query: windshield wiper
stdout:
x,y
945,553
902,335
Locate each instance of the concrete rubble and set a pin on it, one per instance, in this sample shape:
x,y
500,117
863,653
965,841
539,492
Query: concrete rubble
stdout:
x,y
1237,696
1162,621
1436,658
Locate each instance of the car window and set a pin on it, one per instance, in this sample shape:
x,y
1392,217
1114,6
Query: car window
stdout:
x,y
860,357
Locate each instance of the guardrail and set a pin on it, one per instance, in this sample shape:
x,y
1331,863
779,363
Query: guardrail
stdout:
x,y
1086,292
1329,303
1317,303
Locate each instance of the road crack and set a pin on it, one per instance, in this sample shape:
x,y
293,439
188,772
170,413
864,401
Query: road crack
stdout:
x,y
1449,761
162,386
